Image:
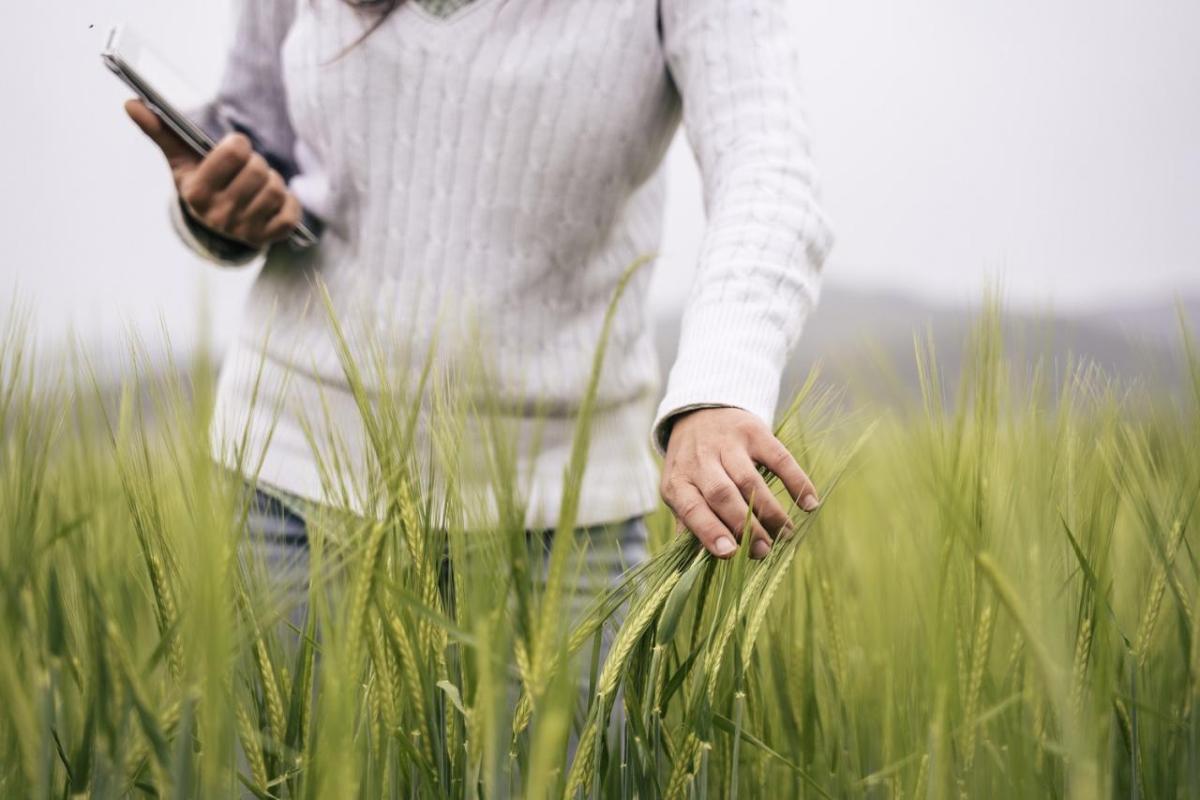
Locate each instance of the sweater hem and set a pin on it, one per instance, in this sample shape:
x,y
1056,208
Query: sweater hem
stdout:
x,y
291,446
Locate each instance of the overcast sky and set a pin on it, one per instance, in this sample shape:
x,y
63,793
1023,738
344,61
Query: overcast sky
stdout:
x,y
1055,145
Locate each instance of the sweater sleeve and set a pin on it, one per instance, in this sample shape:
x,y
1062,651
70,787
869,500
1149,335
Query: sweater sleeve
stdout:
x,y
735,65
251,100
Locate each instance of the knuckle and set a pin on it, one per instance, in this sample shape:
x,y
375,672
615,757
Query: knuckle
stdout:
x,y
747,483
776,454
246,186
291,214
238,146
244,197
743,428
257,166
219,217
690,508
250,234
748,425
194,194
671,487
719,492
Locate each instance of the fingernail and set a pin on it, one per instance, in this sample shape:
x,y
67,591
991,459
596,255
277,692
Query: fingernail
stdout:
x,y
724,546
760,548
809,502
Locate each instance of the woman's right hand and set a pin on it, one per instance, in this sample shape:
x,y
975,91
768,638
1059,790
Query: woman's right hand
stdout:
x,y
232,191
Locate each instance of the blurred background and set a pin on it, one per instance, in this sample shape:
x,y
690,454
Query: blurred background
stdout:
x,y
1052,149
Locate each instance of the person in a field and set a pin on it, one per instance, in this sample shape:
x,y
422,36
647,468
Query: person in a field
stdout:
x,y
503,158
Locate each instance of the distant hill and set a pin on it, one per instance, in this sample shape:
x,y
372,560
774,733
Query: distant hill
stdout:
x,y
865,340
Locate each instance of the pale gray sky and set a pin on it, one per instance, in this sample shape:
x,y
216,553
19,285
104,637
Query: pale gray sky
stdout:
x,y
1053,144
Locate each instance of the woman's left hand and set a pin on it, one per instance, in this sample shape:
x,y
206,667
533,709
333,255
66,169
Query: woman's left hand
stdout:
x,y
711,477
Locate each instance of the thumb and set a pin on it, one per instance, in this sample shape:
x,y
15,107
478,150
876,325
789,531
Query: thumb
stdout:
x,y
179,155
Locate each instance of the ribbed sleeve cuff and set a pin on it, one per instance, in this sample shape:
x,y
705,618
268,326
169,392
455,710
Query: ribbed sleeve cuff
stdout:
x,y
723,361
207,244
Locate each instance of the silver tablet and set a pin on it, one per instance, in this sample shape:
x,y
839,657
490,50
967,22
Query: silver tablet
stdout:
x,y
154,81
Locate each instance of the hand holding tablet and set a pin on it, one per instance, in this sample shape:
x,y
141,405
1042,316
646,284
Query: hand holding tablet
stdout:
x,y
225,186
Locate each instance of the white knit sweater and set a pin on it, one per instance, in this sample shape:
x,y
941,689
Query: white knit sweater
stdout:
x,y
503,166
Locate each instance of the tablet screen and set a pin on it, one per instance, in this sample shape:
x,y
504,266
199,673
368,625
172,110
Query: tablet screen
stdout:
x,y
156,71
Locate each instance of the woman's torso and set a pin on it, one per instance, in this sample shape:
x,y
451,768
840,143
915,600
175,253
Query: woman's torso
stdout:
x,y
485,182
500,165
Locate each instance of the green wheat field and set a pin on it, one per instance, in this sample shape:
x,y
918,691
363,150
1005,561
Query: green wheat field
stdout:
x,y
998,598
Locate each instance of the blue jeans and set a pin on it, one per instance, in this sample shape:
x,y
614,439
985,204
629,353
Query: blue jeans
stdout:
x,y
277,534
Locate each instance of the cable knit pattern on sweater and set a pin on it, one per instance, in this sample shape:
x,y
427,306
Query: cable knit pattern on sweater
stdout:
x,y
485,179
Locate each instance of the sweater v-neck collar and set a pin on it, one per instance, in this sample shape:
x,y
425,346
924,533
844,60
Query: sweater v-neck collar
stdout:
x,y
463,20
